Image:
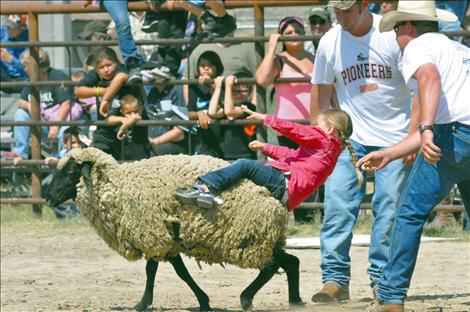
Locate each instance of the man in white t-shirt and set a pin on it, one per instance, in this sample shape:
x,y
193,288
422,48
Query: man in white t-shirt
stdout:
x,y
364,64
438,69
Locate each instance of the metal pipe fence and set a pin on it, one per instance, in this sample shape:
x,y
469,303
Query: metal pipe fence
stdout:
x,y
32,9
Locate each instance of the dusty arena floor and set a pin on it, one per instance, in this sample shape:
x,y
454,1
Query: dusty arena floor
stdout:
x,y
65,270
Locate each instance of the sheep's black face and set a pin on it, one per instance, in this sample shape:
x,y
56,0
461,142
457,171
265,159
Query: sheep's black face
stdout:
x,y
63,185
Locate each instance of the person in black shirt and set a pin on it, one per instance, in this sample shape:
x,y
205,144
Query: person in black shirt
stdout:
x,y
209,66
235,139
132,142
163,103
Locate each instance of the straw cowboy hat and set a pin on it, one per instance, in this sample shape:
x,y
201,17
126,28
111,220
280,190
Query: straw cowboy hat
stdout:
x,y
415,11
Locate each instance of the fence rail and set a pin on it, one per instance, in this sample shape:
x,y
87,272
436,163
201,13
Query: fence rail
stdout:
x,y
32,9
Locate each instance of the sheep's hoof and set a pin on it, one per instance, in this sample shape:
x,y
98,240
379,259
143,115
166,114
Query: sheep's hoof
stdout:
x,y
142,305
246,303
205,309
297,303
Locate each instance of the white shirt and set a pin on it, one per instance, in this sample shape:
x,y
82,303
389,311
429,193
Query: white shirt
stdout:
x,y
369,83
452,60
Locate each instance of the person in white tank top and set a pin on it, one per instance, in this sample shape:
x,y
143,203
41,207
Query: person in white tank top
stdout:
x,y
438,69
364,65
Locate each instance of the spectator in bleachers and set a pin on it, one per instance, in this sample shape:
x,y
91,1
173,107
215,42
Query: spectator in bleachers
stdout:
x,y
166,102
93,31
106,83
218,25
72,139
120,15
11,68
55,104
319,22
293,99
88,104
234,140
209,66
132,142
236,57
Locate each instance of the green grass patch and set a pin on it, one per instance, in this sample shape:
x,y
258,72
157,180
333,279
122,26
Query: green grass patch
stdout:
x,y
22,216
364,225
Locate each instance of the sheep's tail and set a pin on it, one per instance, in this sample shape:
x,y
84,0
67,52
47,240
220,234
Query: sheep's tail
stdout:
x,y
90,154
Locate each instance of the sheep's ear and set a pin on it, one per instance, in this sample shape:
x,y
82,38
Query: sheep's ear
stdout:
x,y
86,171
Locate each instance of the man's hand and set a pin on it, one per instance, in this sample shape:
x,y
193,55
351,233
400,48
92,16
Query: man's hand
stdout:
x,y
431,152
253,115
256,145
374,161
204,119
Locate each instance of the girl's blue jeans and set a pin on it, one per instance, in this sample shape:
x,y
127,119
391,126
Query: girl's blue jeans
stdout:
x,y
224,178
428,184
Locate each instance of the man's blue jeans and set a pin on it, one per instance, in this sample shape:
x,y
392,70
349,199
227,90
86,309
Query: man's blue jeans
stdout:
x,y
428,184
342,201
21,135
120,15
224,178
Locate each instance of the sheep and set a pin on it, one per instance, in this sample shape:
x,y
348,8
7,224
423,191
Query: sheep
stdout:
x,y
133,209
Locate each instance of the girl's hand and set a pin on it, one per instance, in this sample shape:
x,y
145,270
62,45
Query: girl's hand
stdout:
x,y
203,79
253,115
256,145
104,108
230,80
374,161
273,41
219,81
203,119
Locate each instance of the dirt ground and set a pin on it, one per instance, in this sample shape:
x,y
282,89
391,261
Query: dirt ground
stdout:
x,y
65,270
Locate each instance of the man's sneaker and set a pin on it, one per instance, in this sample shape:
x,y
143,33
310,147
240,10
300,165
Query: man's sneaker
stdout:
x,y
134,75
159,72
208,201
189,196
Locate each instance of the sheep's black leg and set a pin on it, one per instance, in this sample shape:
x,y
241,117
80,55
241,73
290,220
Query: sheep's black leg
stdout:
x,y
147,298
183,273
246,297
290,264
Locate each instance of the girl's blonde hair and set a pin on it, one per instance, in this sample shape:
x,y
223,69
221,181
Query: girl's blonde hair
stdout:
x,y
341,121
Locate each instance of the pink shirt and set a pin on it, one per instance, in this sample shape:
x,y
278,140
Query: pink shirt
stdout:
x,y
293,99
306,167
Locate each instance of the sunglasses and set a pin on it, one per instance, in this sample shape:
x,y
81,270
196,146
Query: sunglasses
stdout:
x,y
395,28
317,21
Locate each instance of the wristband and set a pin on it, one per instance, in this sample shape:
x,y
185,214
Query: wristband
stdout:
x,y
97,91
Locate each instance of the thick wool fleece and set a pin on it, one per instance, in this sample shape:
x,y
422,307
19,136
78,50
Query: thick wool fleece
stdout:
x,y
133,208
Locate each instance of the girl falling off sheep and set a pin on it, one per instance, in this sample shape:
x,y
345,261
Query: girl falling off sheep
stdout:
x,y
294,174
